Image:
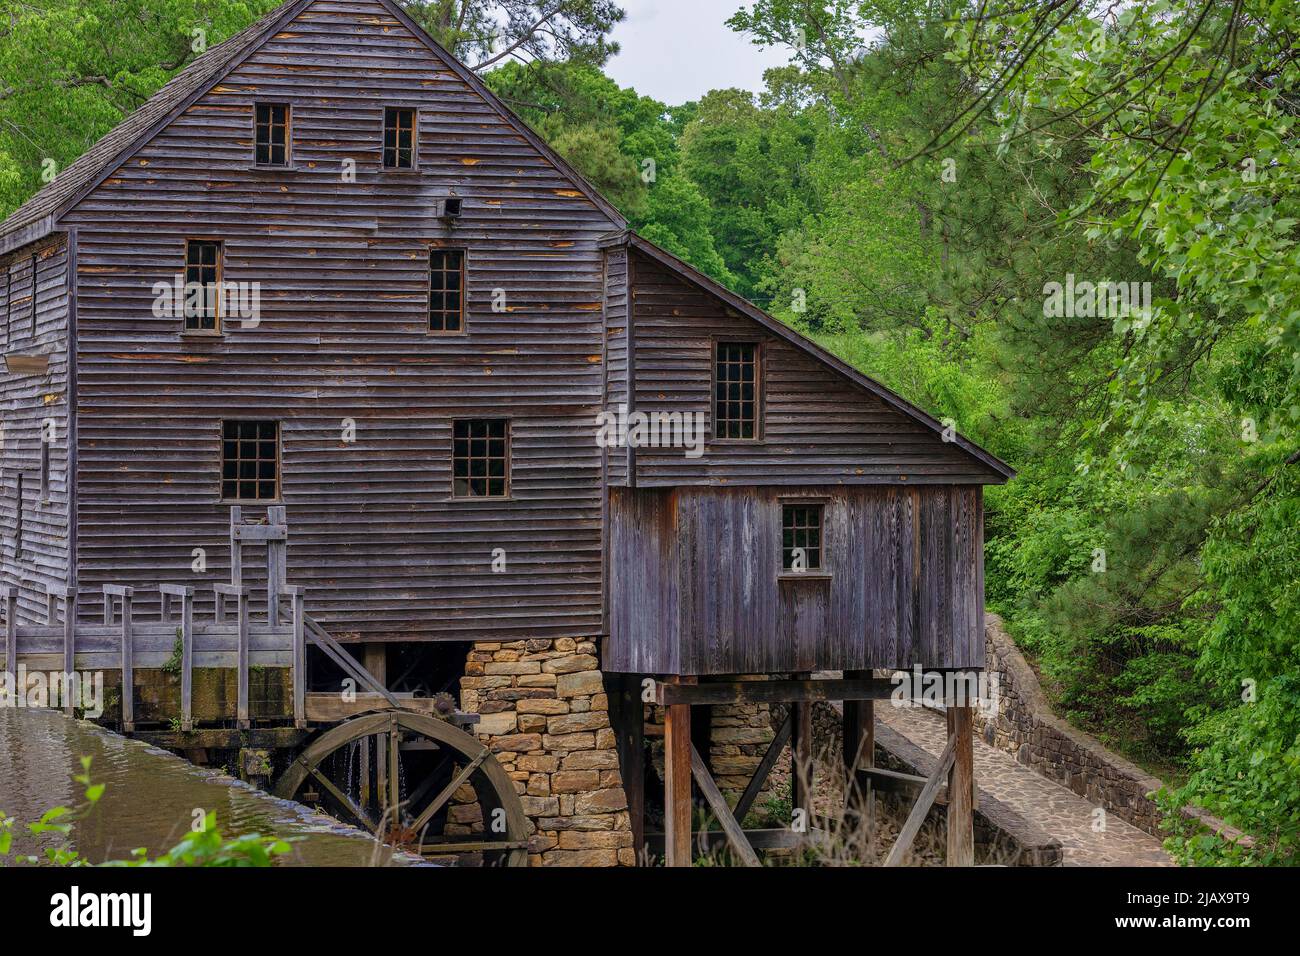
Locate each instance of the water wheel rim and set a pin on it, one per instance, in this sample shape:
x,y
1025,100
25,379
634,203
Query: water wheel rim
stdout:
x,y
489,779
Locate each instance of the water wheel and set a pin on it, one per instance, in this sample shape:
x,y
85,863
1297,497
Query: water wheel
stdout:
x,y
363,768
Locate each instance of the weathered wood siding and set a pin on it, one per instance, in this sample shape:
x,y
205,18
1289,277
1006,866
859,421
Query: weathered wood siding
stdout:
x,y
27,402
903,581
374,535
616,339
819,428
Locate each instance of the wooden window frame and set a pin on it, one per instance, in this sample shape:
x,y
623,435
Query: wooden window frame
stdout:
x,y
823,571
288,133
279,462
760,389
218,328
415,139
464,292
508,436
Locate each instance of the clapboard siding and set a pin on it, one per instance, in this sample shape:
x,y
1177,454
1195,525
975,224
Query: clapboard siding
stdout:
x,y
27,403
616,339
374,536
903,586
819,428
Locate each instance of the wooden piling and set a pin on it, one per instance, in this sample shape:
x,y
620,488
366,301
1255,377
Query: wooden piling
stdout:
x,y
961,782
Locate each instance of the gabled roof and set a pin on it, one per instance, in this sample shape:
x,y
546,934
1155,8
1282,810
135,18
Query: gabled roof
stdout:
x,y
39,215
783,331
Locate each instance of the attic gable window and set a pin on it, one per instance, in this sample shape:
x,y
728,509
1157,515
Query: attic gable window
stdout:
x,y
480,458
272,134
399,138
446,290
202,268
250,461
736,398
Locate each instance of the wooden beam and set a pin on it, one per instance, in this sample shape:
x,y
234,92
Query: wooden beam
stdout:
x,y
893,781
775,691
709,789
755,785
69,641
776,838
298,597
627,718
961,777
802,770
922,807
677,785
859,738
10,600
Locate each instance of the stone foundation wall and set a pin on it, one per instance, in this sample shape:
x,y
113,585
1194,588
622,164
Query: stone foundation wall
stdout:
x,y
738,738
1026,728
545,716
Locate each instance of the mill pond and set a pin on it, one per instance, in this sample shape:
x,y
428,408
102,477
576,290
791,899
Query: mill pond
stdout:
x,y
150,798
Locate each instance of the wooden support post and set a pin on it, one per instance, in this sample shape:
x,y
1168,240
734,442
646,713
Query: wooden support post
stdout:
x,y
127,640
240,594
394,774
10,601
242,720
186,595
298,597
627,718
236,549
69,644
677,785
801,755
961,816
717,803
860,749
275,565
363,771
912,825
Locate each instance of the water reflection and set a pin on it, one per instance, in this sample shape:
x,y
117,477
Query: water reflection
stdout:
x,y
151,797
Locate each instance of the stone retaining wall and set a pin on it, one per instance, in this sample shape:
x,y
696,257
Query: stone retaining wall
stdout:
x,y
544,714
1026,728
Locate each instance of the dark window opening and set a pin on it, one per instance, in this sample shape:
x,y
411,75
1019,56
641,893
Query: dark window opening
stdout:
x,y
45,469
272,134
250,461
446,290
202,271
801,537
480,458
735,390
399,138
18,521
33,303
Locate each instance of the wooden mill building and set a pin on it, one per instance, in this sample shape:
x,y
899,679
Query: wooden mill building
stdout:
x,y
424,312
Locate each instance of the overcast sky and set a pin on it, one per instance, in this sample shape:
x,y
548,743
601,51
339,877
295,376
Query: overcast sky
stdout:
x,y
678,50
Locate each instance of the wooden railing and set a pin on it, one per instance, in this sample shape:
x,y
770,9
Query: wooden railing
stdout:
x,y
123,642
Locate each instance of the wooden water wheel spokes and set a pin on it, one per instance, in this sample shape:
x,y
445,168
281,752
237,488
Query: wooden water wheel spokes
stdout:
x,y
442,759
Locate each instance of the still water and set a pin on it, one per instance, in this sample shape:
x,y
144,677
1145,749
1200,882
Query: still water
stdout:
x,y
150,798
